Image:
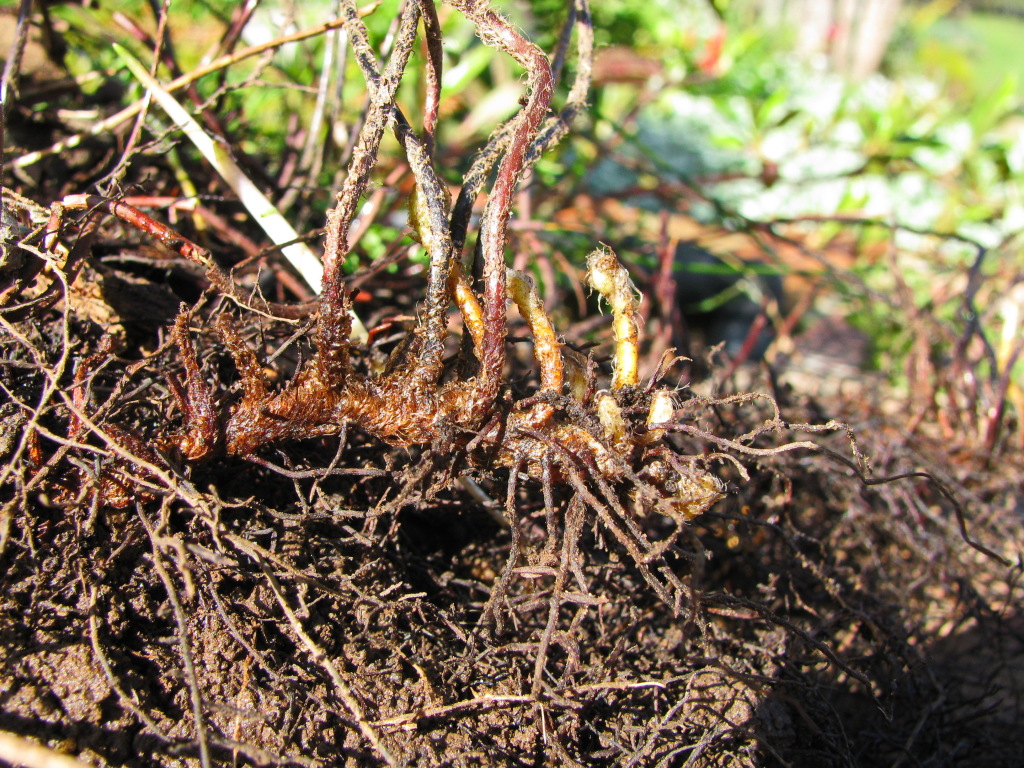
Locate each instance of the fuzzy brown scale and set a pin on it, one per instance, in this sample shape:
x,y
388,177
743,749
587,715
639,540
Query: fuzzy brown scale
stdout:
x,y
318,403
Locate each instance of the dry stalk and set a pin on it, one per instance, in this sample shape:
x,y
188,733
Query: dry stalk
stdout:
x,y
320,657
184,643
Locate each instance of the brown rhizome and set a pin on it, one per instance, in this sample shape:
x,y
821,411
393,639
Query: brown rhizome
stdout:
x,y
602,440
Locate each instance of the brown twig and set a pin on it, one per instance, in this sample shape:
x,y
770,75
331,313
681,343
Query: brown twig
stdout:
x,y
187,249
320,657
184,643
432,96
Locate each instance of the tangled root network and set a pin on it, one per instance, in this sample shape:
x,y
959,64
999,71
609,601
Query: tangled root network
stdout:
x,y
591,446
606,444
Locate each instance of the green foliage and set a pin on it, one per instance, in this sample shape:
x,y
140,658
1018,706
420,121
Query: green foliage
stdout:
x,y
762,135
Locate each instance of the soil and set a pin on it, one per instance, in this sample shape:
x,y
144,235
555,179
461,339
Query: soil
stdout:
x,y
826,622
315,606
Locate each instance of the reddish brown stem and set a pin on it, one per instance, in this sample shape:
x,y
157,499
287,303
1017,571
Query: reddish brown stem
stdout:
x,y
332,331
496,31
551,132
432,98
197,402
431,192
184,247
364,155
